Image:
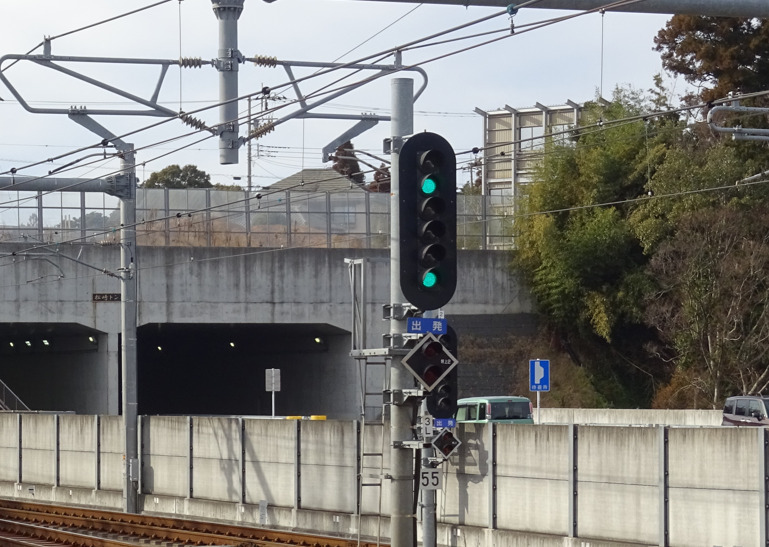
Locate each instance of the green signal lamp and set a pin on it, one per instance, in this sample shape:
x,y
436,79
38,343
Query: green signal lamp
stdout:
x,y
429,186
429,280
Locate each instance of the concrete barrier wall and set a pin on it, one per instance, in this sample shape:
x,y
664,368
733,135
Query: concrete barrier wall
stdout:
x,y
715,482
609,485
216,458
9,447
533,478
328,468
165,456
77,450
112,448
270,452
618,488
467,482
616,416
38,443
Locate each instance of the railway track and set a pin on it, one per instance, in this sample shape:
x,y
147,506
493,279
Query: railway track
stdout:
x,y
24,524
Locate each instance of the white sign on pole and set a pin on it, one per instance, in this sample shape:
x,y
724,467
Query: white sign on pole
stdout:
x,y
430,479
272,383
272,379
427,426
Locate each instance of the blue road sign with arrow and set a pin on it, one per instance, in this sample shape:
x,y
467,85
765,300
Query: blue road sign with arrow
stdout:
x,y
539,375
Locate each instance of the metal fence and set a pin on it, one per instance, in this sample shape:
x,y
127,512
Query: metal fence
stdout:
x,y
217,218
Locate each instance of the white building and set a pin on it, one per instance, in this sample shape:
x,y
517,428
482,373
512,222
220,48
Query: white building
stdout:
x,y
513,141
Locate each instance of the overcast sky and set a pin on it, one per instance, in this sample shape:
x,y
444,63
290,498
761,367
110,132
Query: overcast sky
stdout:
x,y
550,65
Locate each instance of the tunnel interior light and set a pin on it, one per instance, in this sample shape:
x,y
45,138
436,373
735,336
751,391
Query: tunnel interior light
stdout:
x,y
46,343
232,344
28,343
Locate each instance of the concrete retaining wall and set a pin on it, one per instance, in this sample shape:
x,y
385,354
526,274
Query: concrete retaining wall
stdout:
x,y
617,416
221,286
509,485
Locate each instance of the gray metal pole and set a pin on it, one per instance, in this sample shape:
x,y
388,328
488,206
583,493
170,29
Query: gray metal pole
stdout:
x,y
429,523
228,12
401,416
249,159
128,314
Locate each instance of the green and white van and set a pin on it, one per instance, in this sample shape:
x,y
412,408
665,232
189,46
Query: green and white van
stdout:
x,y
499,409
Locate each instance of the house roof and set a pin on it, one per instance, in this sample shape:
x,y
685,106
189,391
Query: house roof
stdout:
x,y
315,180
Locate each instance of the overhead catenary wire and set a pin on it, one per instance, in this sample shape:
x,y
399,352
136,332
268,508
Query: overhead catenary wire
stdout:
x,y
466,25
366,80
130,133
391,50
90,26
600,126
279,86
603,126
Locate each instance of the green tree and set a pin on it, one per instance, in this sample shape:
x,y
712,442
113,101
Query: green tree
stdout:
x,y
717,54
583,261
174,176
580,252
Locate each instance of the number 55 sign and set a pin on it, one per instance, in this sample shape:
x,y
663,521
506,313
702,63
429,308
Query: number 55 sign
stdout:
x,y
430,479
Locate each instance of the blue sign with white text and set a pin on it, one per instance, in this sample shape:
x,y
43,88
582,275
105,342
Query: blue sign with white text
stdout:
x,y
539,375
424,325
439,423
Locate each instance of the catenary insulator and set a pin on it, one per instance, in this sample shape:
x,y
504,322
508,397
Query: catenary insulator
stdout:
x,y
264,60
191,62
262,130
194,122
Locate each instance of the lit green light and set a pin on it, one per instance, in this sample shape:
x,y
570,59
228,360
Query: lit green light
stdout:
x,y
429,280
429,186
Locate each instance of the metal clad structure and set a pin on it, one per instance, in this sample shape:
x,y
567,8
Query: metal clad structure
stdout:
x,y
514,139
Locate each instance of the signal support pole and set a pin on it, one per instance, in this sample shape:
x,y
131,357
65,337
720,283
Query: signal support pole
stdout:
x,y
228,12
129,325
401,414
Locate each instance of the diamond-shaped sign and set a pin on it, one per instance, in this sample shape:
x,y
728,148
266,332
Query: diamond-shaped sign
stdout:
x,y
446,443
429,361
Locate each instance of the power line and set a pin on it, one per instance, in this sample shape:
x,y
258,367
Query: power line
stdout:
x,y
465,25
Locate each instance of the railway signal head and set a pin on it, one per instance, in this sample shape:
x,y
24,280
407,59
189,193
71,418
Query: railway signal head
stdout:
x,y
429,362
442,399
428,221
445,443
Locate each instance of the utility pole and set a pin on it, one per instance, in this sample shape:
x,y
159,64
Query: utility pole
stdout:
x,y
249,159
402,411
228,12
128,314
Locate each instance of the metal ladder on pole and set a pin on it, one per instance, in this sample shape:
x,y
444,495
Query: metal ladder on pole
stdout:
x,y
371,461
372,366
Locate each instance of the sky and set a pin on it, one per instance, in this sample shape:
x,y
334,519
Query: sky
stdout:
x,y
568,60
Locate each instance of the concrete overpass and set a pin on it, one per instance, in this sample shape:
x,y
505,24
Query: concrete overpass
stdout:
x,y
210,321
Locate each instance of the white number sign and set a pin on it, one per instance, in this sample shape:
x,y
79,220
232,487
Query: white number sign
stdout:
x,y
430,479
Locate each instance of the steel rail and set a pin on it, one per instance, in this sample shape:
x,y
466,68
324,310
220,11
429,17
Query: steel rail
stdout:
x,y
167,528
